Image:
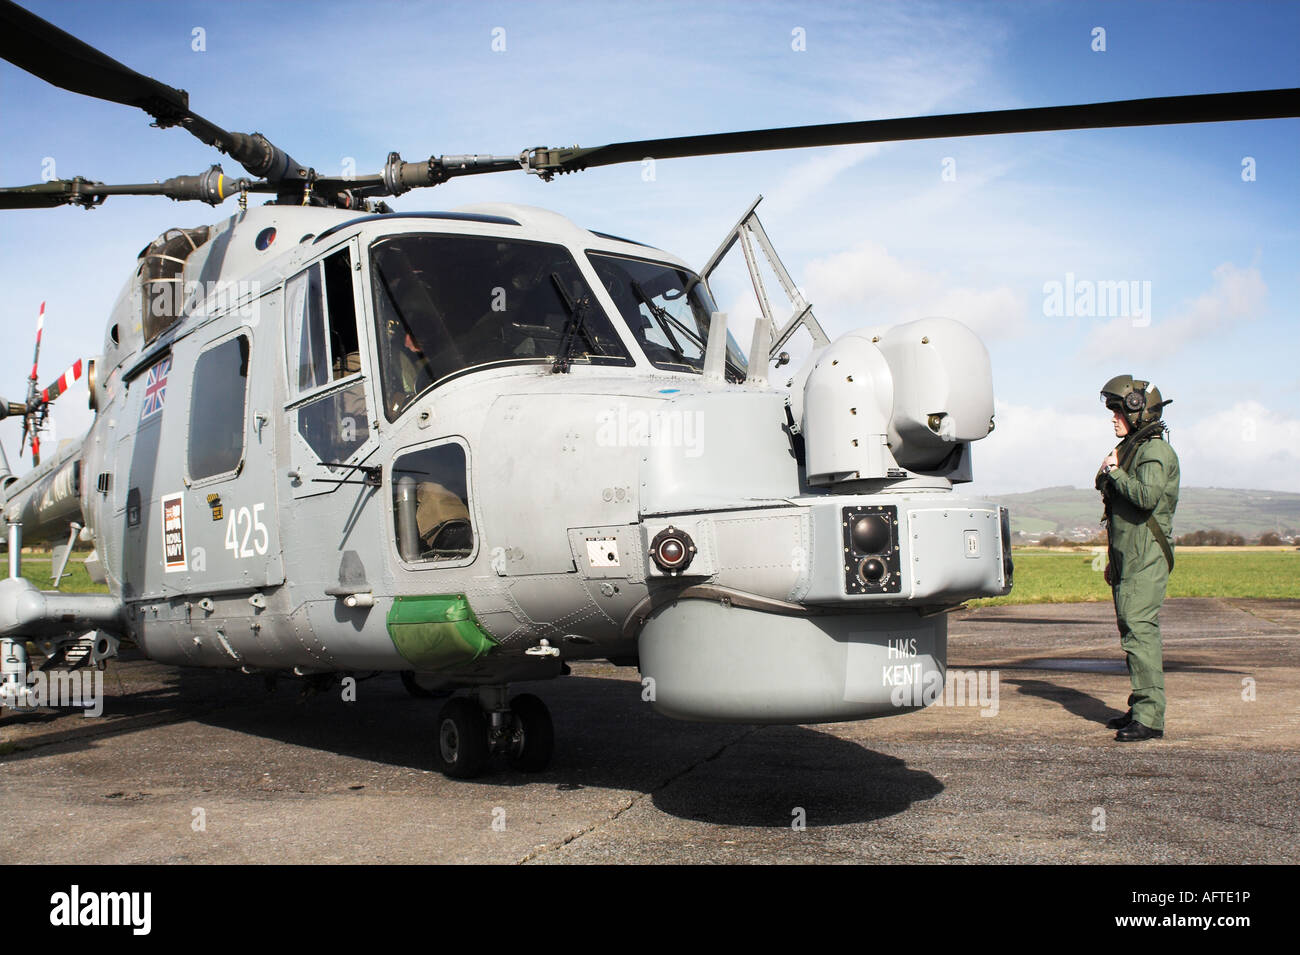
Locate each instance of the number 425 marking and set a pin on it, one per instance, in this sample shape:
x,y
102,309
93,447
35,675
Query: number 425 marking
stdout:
x,y
250,522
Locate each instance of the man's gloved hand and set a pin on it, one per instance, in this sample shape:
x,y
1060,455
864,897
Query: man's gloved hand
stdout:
x,y
1106,575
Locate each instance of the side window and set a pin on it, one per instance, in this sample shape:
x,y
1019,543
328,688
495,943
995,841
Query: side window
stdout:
x,y
322,348
431,504
344,349
217,403
313,358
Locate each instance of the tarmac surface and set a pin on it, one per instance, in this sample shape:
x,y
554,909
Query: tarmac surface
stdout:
x,y
207,766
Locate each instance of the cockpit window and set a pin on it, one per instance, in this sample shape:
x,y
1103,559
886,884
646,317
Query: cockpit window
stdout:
x,y
447,303
669,311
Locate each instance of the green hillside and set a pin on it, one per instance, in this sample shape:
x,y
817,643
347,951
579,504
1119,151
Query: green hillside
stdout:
x,y
1059,510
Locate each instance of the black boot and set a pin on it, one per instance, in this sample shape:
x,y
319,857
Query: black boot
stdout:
x,y
1136,731
1119,722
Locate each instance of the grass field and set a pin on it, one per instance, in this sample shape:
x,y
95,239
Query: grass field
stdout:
x,y
1042,576
1058,576
37,569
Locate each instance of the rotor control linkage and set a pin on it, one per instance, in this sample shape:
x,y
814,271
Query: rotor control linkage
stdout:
x,y
211,186
399,176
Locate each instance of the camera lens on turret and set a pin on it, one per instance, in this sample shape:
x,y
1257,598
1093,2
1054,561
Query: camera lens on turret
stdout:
x,y
871,570
871,534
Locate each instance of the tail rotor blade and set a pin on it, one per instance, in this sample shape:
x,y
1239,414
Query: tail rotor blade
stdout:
x,y
62,383
40,325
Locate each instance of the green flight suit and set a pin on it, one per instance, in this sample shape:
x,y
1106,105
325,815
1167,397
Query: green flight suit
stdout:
x,y
1146,486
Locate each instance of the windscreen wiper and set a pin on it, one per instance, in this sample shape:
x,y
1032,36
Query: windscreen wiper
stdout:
x,y
575,326
663,315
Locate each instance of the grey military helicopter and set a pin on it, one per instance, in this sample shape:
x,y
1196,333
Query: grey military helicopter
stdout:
x,y
476,446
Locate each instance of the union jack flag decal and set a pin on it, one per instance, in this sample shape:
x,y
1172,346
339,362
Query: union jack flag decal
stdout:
x,y
155,388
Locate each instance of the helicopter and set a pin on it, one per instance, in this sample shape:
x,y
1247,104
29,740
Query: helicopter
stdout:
x,y
476,446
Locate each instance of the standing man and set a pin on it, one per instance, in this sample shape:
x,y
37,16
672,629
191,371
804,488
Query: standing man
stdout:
x,y
1138,481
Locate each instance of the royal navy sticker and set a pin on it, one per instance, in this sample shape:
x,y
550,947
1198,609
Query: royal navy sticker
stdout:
x,y
155,389
173,525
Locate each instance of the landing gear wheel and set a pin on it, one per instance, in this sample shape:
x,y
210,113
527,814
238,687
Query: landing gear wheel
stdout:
x,y
411,681
462,743
533,740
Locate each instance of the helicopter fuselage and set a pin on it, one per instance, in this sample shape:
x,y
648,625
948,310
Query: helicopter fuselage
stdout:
x,y
478,445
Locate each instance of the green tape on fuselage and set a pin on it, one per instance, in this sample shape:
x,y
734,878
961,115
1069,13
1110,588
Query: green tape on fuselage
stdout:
x,y
437,632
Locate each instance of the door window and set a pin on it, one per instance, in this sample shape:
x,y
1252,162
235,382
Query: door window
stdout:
x,y
217,409
323,351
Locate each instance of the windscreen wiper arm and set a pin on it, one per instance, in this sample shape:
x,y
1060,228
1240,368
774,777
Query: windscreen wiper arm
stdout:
x,y
575,325
661,316
664,315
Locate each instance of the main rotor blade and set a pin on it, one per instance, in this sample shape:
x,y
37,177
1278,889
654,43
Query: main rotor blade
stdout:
x,y
1157,111
42,49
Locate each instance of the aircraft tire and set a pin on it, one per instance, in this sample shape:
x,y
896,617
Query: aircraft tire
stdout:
x,y
461,743
536,734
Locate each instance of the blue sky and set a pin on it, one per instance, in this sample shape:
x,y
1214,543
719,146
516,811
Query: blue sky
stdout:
x,y
874,234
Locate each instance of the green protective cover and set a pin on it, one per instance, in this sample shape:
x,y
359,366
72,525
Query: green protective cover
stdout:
x,y
437,632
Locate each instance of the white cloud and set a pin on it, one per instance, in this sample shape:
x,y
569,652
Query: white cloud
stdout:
x,y
810,177
1237,295
867,285
1247,446
1033,447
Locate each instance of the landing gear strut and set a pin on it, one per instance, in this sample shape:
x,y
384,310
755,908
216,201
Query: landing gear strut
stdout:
x,y
470,730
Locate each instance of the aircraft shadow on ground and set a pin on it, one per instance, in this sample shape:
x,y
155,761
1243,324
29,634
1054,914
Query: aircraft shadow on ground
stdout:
x,y
606,737
783,773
